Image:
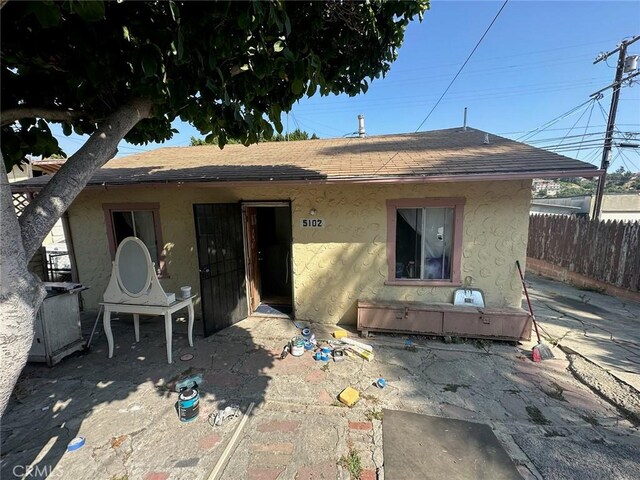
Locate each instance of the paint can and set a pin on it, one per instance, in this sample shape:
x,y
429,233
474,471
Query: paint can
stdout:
x,y
306,332
188,405
338,355
297,347
186,291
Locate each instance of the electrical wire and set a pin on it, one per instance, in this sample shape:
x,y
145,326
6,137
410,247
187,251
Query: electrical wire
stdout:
x,y
543,140
543,127
624,156
567,128
575,123
464,64
621,150
587,127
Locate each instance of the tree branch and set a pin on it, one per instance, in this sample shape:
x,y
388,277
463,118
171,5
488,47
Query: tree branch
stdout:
x,y
14,114
53,200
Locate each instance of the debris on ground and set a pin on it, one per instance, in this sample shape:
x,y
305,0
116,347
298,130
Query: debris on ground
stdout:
x,y
192,381
75,444
408,345
217,418
349,396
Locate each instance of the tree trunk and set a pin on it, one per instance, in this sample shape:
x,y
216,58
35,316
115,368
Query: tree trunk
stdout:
x,y
53,200
21,292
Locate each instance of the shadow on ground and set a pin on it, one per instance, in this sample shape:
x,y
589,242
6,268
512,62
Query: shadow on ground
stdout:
x,y
125,407
600,327
129,398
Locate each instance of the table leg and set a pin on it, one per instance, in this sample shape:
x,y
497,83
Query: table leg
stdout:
x,y
168,333
136,326
106,322
190,332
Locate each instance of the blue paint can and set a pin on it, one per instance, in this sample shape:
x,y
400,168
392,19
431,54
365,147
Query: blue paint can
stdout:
x,y
189,405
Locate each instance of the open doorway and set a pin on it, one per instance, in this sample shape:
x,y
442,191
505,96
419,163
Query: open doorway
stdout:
x,y
268,257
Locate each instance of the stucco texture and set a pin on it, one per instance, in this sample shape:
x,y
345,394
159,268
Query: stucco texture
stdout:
x,y
334,266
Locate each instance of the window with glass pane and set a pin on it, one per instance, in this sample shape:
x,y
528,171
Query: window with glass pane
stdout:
x,y
424,243
137,223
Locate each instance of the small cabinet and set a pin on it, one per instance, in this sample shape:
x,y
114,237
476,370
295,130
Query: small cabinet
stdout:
x,y
399,318
474,323
444,319
57,330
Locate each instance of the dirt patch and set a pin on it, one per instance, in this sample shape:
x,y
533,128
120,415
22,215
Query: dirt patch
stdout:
x,y
453,387
117,441
536,416
618,393
555,391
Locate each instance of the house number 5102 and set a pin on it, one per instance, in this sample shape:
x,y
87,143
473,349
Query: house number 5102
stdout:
x,y
312,223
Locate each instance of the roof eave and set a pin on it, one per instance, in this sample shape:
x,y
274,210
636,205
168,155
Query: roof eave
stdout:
x,y
467,177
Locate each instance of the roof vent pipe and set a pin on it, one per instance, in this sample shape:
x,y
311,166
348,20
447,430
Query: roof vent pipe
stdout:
x,y
464,126
486,139
361,131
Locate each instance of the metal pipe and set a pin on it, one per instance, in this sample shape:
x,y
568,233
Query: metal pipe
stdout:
x,y
361,130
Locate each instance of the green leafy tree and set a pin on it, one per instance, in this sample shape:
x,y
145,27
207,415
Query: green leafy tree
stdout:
x,y
115,70
297,134
541,193
617,181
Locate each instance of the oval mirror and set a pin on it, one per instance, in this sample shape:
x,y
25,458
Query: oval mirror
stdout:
x,y
134,266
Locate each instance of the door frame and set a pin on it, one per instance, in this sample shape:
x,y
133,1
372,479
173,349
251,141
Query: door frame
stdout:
x,y
247,248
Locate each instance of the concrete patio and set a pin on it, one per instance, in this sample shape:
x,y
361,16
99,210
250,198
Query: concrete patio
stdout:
x,y
550,424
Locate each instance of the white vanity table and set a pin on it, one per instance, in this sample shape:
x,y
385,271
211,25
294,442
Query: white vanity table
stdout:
x,y
134,288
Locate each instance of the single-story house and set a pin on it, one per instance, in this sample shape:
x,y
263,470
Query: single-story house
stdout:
x,y
313,227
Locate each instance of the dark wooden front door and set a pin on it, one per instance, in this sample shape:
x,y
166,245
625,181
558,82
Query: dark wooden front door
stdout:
x,y
221,263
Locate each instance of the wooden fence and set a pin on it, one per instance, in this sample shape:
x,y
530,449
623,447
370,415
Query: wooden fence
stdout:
x,y
605,251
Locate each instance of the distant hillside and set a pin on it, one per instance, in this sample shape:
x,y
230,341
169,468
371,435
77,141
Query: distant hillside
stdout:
x,y
620,181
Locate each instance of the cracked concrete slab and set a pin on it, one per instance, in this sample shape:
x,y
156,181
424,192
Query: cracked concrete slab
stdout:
x,y
125,407
600,327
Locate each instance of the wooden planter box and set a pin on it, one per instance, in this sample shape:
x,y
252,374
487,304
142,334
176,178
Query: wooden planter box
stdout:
x,y
444,319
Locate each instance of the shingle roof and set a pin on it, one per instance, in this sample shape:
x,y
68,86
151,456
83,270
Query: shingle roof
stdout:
x,y
450,155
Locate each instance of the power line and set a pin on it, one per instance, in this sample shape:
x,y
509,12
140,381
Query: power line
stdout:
x,y
575,123
567,128
542,140
621,150
543,127
465,62
587,127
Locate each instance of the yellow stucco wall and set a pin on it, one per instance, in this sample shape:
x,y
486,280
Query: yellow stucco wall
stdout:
x,y
334,266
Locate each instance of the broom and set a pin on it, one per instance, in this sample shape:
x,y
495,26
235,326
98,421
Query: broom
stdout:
x,y
539,351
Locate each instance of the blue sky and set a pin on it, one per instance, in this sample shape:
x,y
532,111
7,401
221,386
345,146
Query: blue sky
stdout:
x,y
535,64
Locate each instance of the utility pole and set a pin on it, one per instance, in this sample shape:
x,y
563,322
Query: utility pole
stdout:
x,y
611,122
